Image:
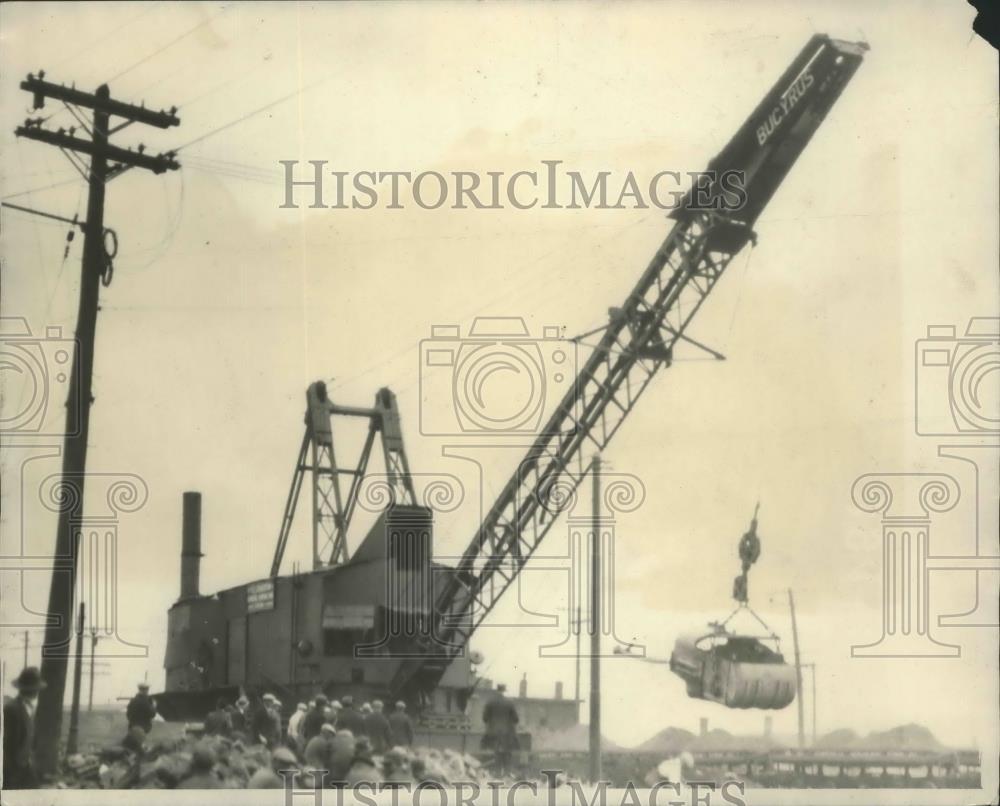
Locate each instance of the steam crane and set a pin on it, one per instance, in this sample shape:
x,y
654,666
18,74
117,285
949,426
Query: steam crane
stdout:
x,y
386,619
638,341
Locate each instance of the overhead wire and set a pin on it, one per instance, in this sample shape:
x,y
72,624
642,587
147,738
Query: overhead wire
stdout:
x,y
739,291
233,170
254,113
188,103
160,248
168,45
49,293
106,35
150,6
29,191
65,257
522,291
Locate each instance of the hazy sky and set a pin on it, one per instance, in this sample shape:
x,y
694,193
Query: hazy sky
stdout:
x,y
224,307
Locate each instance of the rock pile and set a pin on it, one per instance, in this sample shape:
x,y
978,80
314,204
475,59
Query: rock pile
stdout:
x,y
195,762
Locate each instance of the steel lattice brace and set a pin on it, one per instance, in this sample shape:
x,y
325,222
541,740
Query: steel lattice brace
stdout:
x,y
637,342
331,512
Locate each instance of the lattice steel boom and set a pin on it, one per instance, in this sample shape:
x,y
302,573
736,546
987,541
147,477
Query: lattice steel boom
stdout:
x,y
637,342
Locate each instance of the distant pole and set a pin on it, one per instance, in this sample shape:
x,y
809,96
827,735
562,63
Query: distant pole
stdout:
x,y
814,703
25,649
93,651
579,648
595,627
798,672
74,714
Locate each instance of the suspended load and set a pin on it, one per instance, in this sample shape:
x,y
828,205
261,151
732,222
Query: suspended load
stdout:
x,y
733,669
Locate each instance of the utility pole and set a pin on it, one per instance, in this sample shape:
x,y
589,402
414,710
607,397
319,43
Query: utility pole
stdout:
x,y
106,162
814,704
798,672
74,714
812,668
595,626
93,651
576,623
25,650
579,649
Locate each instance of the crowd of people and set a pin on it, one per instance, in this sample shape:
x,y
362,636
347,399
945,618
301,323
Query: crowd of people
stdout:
x,y
334,736
261,722
325,741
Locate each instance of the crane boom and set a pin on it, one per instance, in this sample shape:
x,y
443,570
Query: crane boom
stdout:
x,y
638,341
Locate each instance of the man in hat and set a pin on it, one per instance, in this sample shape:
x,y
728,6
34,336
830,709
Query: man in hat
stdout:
x,y
342,748
313,721
377,728
266,721
365,711
295,724
317,750
400,726
19,731
501,720
219,722
141,709
240,715
282,760
362,769
274,709
350,718
201,773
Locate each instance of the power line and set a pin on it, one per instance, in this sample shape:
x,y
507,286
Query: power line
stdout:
x,y
249,115
169,44
65,257
104,37
39,190
201,96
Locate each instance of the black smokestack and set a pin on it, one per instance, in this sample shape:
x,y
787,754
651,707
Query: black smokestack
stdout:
x,y
191,545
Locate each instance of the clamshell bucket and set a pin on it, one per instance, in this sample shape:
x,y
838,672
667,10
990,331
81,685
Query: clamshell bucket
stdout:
x,y
735,671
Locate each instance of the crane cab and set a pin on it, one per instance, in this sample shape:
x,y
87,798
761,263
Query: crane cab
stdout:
x,y
733,670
